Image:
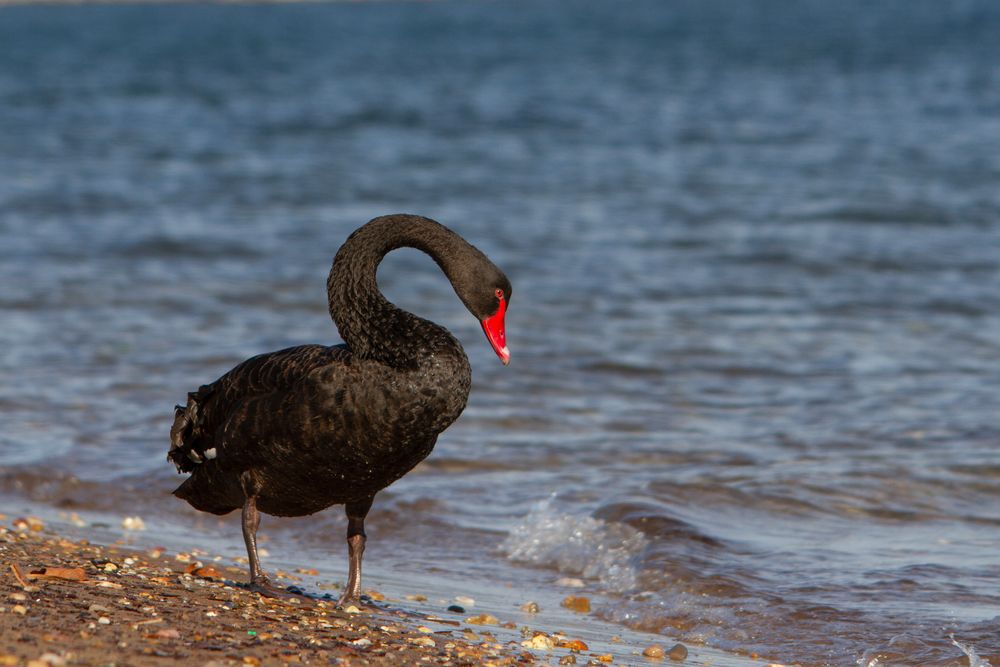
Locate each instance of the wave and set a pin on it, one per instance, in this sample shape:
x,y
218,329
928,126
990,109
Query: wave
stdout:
x,y
577,545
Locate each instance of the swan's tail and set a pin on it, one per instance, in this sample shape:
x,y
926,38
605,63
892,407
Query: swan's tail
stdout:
x,y
182,434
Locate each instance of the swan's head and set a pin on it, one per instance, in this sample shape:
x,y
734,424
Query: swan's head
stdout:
x,y
487,297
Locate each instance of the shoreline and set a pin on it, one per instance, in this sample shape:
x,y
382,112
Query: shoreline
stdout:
x,y
67,601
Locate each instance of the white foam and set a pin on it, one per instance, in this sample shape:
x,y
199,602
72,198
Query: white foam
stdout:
x,y
579,545
970,653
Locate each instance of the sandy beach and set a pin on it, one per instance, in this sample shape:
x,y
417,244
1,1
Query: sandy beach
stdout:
x,y
65,601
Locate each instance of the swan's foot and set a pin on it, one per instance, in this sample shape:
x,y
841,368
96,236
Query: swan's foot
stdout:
x,y
265,588
348,599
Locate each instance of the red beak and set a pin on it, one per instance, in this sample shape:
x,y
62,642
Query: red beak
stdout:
x,y
493,327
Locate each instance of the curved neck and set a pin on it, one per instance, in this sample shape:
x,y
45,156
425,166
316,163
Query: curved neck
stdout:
x,y
370,325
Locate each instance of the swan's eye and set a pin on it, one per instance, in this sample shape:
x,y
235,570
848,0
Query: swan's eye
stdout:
x,y
499,293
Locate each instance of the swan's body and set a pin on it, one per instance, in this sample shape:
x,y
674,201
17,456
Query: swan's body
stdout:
x,y
293,432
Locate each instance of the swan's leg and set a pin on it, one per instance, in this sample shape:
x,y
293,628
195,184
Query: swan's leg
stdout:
x,y
251,522
259,583
356,513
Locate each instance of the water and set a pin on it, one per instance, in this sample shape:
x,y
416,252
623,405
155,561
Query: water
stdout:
x,y
756,320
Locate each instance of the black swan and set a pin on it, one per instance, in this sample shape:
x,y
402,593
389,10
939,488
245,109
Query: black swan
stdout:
x,y
293,432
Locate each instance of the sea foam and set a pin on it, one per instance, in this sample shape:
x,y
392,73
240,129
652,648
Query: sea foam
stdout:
x,y
578,545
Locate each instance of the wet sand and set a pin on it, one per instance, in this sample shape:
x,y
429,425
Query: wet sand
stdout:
x,y
65,601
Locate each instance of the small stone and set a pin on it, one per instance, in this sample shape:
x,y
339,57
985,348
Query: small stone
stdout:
x,y
417,598
133,523
678,652
456,609
465,601
570,582
577,604
655,651
351,609
32,523
568,660
530,608
110,567
423,641
572,644
104,620
483,619
539,642
607,657
19,609
207,572
20,597
362,643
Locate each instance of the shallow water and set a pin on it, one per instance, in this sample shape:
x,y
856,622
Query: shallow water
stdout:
x,y
755,256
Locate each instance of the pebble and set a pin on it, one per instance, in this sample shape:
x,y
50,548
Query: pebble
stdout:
x,y
19,609
362,643
104,620
351,609
133,523
31,523
568,660
654,651
465,601
482,619
578,604
530,608
570,582
20,597
573,644
539,643
456,609
423,641
678,652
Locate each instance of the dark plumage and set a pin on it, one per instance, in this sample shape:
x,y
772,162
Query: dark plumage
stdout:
x,y
293,432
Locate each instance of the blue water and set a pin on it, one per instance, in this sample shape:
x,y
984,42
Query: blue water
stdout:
x,y
755,252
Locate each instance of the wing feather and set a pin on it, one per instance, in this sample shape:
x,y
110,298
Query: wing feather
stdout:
x,y
198,428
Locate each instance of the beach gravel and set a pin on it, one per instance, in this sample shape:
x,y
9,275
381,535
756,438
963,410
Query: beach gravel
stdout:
x,y
61,604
